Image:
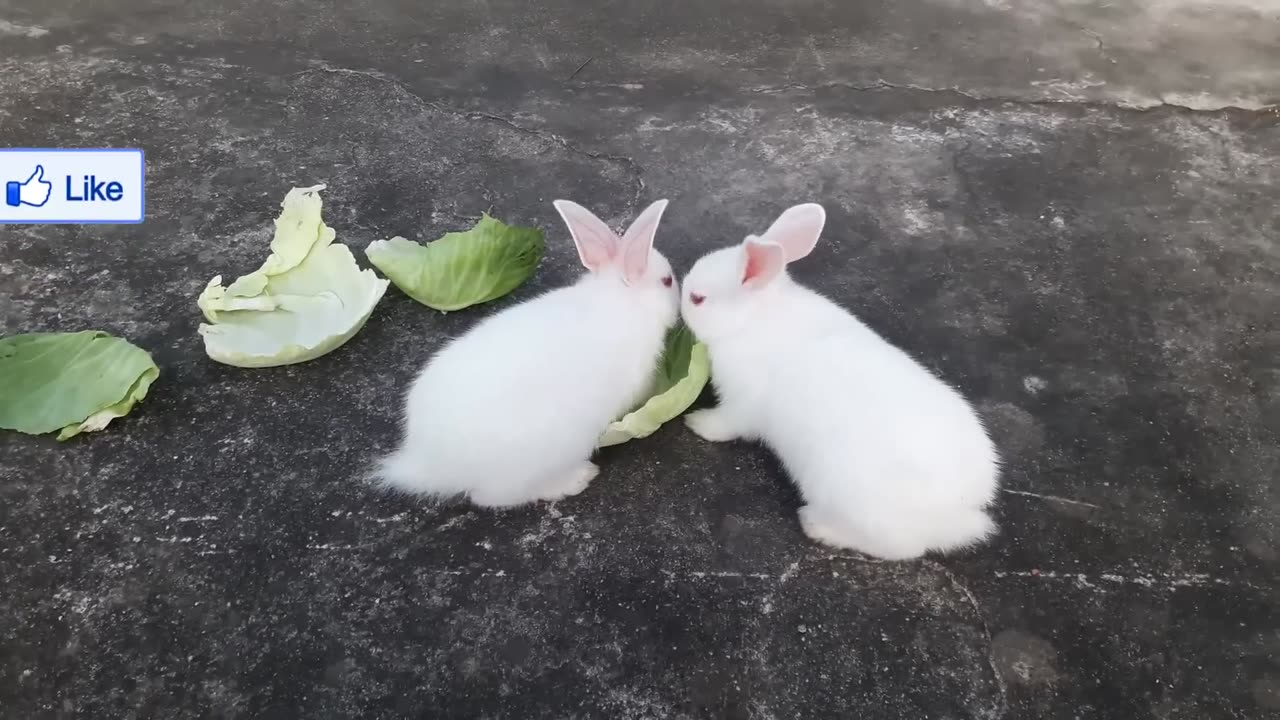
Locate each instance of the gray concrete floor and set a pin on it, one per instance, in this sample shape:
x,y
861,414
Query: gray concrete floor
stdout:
x,y
1067,208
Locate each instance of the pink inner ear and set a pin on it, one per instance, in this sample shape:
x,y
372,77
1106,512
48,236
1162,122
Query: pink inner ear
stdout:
x,y
595,249
764,260
597,244
755,266
635,260
638,241
797,230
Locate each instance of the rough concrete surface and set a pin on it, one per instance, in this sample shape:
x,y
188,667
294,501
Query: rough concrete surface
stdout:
x,y
1065,207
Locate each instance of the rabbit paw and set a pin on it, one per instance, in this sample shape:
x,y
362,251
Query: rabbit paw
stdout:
x,y
711,425
822,531
571,484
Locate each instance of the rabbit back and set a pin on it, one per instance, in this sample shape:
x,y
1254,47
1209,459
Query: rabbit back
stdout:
x,y
868,434
525,395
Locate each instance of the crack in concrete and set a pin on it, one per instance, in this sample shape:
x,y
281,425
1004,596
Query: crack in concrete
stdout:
x,y
1003,710
633,167
1051,498
884,85
1097,39
1167,582
476,573
722,574
975,199
1100,46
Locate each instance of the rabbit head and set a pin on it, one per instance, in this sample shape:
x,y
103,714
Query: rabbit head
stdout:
x,y
725,287
630,262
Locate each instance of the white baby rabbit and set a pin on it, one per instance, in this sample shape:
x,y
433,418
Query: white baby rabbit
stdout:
x,y
890,461
510,412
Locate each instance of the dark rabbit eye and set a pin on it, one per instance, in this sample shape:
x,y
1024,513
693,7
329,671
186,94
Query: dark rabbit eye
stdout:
x,y
696,299
666,281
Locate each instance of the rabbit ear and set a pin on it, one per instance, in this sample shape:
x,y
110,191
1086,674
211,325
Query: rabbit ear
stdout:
x,y
638,241
597,244
762,260
797,230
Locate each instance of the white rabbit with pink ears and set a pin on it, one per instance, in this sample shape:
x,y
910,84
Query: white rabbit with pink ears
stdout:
x,y
510,412
890,460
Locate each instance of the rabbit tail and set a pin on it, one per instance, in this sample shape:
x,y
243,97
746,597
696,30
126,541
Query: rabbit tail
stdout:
x,y
403,470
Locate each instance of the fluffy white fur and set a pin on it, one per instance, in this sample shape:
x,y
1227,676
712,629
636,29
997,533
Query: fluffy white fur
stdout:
x,y
890,460
510,412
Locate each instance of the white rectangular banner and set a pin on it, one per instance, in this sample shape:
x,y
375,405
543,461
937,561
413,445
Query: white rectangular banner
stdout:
x,y
72,186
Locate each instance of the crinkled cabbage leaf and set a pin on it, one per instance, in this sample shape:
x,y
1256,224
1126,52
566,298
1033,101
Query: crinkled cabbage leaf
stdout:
x,y
71,382
682,373
306,300
461,269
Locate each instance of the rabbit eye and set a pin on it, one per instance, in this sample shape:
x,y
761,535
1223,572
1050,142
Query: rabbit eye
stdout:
x,y
696,299
666,281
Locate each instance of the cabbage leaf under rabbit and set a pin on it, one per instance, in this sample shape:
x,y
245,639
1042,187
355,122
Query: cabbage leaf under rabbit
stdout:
x,y
682,373
308,298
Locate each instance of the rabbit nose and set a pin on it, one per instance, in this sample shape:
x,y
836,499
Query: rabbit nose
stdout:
x,y
696,299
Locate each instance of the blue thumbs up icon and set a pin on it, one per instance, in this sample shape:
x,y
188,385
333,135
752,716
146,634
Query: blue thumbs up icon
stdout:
x,y
34,191
71,186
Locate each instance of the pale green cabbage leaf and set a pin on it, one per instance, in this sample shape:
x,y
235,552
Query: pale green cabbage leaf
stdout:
x,y
682,373
306,300
461,269
71,382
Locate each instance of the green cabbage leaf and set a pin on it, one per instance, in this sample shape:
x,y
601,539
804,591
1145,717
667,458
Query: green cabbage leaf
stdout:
x,y
461,269
682,373
70,382
308,298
